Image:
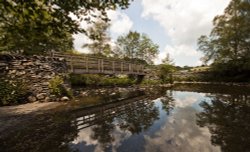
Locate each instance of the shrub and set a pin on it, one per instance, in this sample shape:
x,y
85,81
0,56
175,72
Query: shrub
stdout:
x,y
99,80
117,81
151,82
12,91
56,87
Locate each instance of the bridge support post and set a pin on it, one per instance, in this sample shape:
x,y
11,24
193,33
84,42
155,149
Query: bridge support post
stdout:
x,y
87,64
121,67
71,65
113,66
102,65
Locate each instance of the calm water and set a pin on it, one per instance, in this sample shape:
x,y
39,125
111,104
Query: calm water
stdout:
x,y
196,118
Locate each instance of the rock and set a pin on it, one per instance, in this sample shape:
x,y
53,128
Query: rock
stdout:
x,y
45,83
65,98
113,93
28,63
32,99
20,73
83,94
12,71
41,96
47,99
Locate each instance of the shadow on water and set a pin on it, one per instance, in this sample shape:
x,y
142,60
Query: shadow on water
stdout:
x,y
228,120
153,120
56,131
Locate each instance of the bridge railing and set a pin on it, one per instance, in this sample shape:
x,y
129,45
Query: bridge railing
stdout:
x,y
81,64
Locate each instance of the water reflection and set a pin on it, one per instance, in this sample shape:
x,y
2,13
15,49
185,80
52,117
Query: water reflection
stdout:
x,y
127,118
173,121
44,133
179,131
228,120
167,102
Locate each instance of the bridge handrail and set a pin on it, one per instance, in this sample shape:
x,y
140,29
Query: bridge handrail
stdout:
x,y
68,55
100,64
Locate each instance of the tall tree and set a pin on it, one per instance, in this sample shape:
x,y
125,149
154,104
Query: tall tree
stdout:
x,y
166,69
137,46
98,33
229,41
41,25
168,60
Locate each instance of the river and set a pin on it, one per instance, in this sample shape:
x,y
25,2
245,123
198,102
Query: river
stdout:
x,y
185,118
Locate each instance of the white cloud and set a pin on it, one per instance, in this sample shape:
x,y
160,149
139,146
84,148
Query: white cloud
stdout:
x,y
180,133
184,21
120,22
180,53
79,41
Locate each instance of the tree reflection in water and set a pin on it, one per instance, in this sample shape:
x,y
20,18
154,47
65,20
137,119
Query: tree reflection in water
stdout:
x,y
228,120
168,102
134,117
102,132
138,117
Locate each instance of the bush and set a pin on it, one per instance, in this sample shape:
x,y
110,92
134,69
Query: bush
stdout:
x,y
117,81
165,73
99,80
12,92
56,87
151,82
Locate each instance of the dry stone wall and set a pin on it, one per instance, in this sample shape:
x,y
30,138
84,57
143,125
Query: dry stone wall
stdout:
x,y
35,71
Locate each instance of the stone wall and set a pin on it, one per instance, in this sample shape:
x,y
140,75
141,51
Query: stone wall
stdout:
x,y
35,71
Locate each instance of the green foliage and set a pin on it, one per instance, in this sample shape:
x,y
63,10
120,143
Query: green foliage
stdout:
x,y
167,60
56,87
117,81
228,43
150,82
99,80
12,91
98,33
32,28
136,46
43,25
165,73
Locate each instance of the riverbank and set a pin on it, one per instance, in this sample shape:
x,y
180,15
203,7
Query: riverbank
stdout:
x,y
43,107
215,83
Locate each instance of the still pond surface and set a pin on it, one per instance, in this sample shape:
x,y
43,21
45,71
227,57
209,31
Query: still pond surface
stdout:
x,y
187,118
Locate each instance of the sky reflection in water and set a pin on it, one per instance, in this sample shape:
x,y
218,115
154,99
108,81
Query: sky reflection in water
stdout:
x,y
173,129
181,119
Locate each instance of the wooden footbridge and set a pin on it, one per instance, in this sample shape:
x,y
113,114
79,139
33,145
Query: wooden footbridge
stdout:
x,y
86,64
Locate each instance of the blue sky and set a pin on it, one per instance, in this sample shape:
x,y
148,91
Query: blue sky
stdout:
x,y
175,25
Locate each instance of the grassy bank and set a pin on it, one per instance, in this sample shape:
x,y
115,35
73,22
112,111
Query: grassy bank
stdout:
x,y
211,76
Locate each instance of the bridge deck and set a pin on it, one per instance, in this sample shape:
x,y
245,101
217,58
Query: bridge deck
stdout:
x,y
83,64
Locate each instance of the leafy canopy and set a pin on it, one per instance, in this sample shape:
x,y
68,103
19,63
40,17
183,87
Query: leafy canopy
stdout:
x,y
98,33
43,25
137,46
228,44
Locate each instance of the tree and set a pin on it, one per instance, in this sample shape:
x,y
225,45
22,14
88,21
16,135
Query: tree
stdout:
x,y
168,60
228,44
137,46
42,25
100,39
166,69
166,73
